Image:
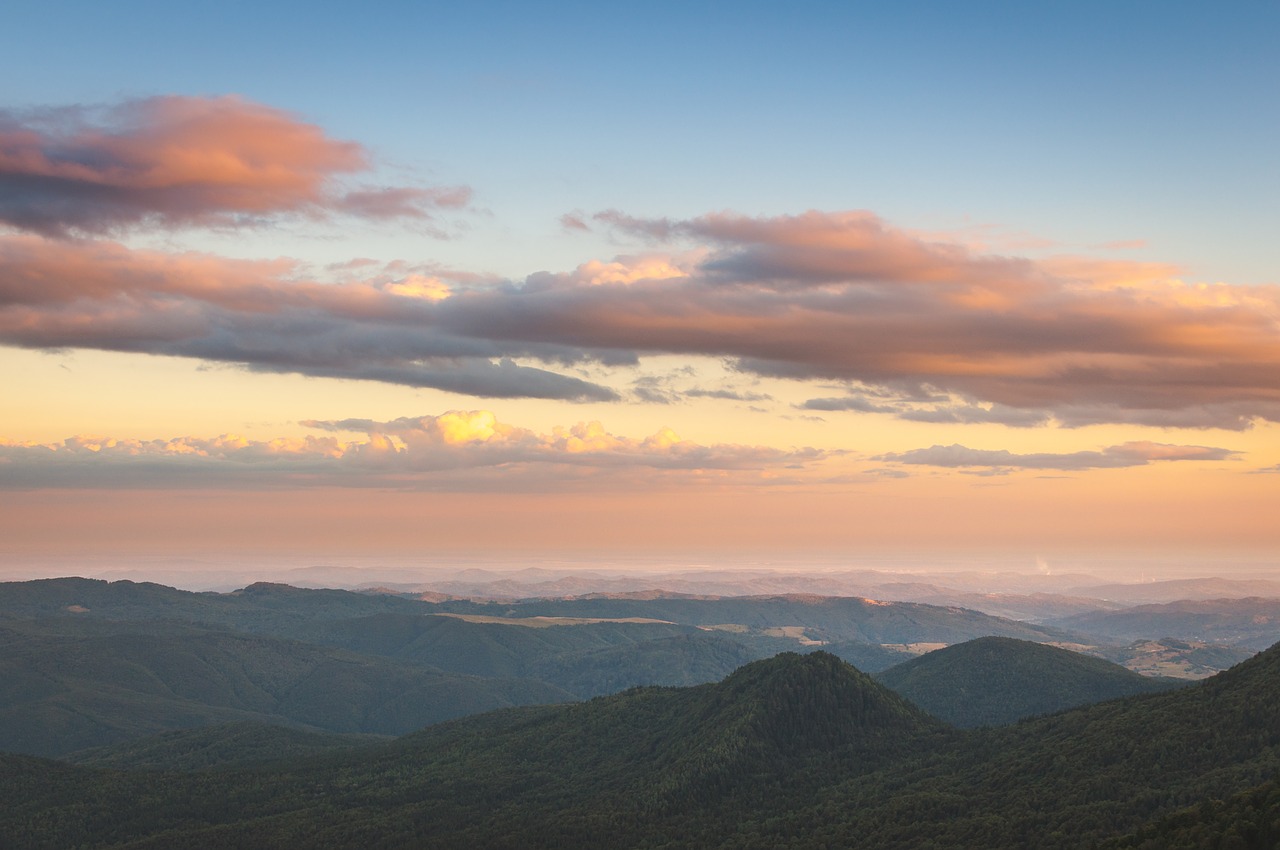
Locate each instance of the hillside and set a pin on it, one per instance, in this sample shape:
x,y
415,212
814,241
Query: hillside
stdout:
x,y
993,681
793,751
221,746
59,694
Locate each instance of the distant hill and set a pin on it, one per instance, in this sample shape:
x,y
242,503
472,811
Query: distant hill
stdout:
x,y
476,648
285,611
263,608
1177,590
690,659
1032,608
1252,622
822,618
1172,657
992,681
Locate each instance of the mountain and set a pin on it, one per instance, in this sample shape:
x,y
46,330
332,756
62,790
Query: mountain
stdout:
x,y
261,608
226,745
59,694
992,681
1253,622
797,750
547,776
311,615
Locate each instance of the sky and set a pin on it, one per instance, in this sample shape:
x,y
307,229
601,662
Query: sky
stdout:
x,y
424,281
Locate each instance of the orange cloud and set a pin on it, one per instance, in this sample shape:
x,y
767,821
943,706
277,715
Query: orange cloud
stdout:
x,y
175,161
469,450
929,330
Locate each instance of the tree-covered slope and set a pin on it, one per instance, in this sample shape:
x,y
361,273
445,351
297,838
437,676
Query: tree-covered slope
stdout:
x,y
991,681
794,751
1246,821
60,694
479,648
221,746
638,763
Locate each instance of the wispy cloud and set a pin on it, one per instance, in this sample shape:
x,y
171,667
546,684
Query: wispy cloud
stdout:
x,y
1113,457
454,450
176,161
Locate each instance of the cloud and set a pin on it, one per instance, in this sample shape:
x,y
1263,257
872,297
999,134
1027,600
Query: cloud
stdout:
x,y
854,401
266,315
840,297
941,411
728,395
1113,457
848,297
175,161
426,452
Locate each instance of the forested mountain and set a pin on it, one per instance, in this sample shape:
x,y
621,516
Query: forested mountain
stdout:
x,y
218,747
993,681
89,663
59,694
795,751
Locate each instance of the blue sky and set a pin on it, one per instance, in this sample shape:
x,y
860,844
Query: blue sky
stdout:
x,y
855,260
1080,123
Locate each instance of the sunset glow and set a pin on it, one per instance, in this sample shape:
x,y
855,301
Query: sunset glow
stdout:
x,y
327,313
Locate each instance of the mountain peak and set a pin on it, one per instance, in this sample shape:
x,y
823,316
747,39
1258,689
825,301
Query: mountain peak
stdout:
x,y
818,701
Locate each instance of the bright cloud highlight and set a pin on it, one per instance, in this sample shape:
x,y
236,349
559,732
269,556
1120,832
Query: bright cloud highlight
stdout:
x,y
426,452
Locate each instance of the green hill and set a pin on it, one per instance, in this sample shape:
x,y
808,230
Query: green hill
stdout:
x,y
222,746
794,751
62,694
991,681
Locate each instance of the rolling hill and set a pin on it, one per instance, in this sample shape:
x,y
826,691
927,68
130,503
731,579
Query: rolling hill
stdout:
x,y
993,681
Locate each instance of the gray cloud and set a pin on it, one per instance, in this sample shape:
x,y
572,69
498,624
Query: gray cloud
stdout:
x,y
728,395
1113,457
914,324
